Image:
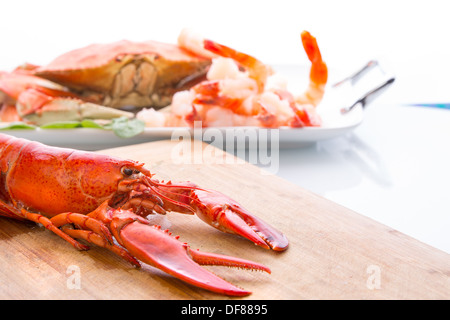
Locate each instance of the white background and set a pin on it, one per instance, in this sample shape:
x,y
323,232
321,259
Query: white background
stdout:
x,y
412,36
405,182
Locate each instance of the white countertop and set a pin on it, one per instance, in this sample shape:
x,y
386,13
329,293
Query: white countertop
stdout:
x,y
393,168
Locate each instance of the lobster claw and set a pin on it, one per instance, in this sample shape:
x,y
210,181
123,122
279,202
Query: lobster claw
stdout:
x,y
227,215
156,247
219,211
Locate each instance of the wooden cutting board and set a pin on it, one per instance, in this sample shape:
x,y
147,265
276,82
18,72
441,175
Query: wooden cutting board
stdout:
x,y
334,253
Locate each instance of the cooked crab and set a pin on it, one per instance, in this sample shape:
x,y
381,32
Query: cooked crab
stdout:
x,y
115,75
125,73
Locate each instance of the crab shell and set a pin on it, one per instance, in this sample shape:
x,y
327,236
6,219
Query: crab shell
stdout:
x,y
125,73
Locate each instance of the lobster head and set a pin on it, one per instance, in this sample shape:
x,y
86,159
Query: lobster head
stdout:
x,y
141,193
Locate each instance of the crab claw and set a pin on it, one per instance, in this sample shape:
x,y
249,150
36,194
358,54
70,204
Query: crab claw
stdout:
x,y
156,247
228,216
43,105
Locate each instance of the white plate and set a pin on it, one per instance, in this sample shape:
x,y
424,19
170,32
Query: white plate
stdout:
x,y
334,125
236,137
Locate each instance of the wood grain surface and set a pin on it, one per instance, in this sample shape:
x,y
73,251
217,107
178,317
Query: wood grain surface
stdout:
x,y
334,253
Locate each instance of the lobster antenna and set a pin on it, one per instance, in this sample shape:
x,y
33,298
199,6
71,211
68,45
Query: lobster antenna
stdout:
x,y
171,200
151,184
154,183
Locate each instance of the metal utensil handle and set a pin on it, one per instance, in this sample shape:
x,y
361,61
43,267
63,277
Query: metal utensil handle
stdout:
x,y
370,96
358,74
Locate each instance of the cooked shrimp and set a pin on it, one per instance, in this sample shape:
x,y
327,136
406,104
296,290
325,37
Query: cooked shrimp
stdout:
x,y
240,90
257,70
318,75
152,118
193,42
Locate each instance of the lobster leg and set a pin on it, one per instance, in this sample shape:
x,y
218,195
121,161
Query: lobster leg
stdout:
x,y
38,218
98,240
83,222
10,211
94,230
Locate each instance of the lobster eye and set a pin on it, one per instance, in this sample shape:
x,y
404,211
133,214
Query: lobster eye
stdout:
x,y
127,171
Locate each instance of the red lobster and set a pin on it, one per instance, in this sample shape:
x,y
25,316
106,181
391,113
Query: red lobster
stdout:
x,y
97,198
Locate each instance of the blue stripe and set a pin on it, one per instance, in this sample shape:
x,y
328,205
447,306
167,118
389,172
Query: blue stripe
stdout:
x,y
432,105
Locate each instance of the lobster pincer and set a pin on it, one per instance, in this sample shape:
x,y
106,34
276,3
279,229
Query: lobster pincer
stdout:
x,y
158,248
221,212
